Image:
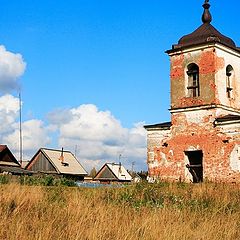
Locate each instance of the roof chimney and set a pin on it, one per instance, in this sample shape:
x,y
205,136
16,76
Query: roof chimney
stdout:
x,y
61,157
120,168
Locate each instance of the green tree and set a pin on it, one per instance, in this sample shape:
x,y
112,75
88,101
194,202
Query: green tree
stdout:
x,y
93,172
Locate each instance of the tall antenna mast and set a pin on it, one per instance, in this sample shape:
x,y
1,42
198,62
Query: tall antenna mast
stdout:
x,y
133,163
20,129
75,152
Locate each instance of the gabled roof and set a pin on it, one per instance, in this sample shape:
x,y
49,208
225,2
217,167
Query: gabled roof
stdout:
x,y
2,147
135,175
70,164
11,161
117,172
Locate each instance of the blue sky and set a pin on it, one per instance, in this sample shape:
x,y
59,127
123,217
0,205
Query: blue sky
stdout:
x,y
107,53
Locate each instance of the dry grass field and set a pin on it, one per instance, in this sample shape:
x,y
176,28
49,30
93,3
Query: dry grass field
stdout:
x,y
157,211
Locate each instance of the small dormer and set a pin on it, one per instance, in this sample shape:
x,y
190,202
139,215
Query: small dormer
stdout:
x,y
205,68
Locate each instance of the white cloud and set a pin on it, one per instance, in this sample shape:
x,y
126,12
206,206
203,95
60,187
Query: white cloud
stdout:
x,y
90,124
99,137
9,107
34,135
12,66
96,136
60,116
34,132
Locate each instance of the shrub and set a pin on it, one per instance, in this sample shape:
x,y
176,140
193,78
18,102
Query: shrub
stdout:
x,y
47,180
4,179
64,182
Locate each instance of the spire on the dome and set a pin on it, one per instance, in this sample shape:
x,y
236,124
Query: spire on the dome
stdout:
x,y
204,34
206,17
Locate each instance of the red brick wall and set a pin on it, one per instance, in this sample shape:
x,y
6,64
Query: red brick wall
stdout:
x,y
194,129
170,159
209,64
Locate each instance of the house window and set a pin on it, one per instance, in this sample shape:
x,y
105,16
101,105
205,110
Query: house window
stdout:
x,y
193,80
229,76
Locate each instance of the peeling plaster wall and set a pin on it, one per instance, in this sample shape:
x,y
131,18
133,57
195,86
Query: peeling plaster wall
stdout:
x,y
222,112
168,161
231,130
232,58
235,159
193,120
208,63
212,62
156,138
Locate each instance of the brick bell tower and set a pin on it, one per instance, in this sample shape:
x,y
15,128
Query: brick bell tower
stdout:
x,y
203,138
205,69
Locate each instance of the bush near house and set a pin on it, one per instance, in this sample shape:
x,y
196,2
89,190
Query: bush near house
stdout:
x,y
43,180
142,211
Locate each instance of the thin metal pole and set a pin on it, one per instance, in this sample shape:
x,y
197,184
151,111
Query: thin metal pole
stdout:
x,y
20,129
133,163
75,152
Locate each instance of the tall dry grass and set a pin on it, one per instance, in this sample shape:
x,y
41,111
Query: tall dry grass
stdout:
x,y
163,211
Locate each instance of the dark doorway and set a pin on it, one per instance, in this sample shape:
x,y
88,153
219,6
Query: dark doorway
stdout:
x,y
195,165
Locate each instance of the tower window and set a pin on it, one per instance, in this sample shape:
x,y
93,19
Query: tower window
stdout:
x,y
193,80
229,76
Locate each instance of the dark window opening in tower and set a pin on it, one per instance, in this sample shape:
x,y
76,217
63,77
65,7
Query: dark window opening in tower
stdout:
x,y
229,76
193,80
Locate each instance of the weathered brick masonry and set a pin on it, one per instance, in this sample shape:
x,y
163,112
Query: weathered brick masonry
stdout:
x,y
202,141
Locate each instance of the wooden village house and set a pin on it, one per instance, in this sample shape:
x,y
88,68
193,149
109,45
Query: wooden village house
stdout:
x,y
202,140
113,172
9,164
136,178
58,163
